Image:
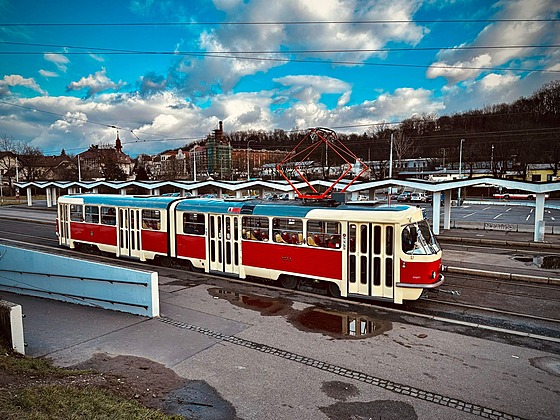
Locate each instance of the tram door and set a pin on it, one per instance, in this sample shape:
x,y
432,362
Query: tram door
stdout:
x,y
371,259
224,243
64,224
128,232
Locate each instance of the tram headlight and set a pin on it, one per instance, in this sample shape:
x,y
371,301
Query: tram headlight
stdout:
x,y
434,274
403,265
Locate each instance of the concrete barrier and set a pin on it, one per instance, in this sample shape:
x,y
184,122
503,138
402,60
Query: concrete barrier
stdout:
x,y
503,227
11,325
74,280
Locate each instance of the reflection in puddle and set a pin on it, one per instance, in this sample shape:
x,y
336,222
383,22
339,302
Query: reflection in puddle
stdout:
x,y
340,324
337,324
549,262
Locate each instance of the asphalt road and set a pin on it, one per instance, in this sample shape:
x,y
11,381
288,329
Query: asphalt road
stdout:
x,y
501,212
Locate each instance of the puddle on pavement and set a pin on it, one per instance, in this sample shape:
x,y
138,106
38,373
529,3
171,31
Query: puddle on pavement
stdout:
x,y
549,364
549,262
380,409
262,304
331,322
339,324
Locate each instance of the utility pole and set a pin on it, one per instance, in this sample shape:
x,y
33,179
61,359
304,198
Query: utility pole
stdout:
x,y
194,162
390,169
460,169
492,162
248,168
391,158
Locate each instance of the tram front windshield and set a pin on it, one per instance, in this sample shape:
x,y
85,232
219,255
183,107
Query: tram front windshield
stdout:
x,y
418,239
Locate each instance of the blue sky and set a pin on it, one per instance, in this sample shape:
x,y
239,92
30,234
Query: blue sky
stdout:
x,y
165,72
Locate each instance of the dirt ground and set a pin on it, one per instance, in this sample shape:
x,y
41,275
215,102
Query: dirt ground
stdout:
x,y
135,377
131,377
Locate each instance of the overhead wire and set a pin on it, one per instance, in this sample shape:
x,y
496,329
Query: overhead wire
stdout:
x,y
280,22
323,51
237,55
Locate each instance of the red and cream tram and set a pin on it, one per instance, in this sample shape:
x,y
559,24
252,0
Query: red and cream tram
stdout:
x,y
381,252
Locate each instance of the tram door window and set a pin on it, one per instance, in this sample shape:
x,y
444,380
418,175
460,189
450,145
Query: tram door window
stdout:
x,y
129,232
383,261
224,243
64,224
370,259
76,212
358,257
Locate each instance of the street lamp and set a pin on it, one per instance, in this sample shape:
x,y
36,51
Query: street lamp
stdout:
x,y
443,150
460,169
248,170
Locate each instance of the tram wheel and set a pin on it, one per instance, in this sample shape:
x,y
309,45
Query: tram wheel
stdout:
x,y
333,289
289,282
195,269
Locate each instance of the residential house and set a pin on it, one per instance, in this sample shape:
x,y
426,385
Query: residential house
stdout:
x,y
106,162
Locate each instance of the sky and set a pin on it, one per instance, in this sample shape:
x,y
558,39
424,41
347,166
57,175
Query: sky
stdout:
x,y
163,73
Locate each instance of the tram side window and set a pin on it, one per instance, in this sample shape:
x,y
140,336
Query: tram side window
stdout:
x,y
108,216
193,223
255,228
76,212
92,214
287,230
322,233
151,219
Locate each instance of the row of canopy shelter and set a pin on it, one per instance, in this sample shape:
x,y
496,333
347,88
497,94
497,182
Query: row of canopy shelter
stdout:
x,y
356,189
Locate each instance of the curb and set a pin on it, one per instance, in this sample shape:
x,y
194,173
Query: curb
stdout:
x,y
479,241
20,219
506,276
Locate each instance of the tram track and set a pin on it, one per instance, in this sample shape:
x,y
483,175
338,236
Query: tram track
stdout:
x,y
499,249
451,284
430,310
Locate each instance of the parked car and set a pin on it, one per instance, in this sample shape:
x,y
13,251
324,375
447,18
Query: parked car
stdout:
x,y
404,196
418,197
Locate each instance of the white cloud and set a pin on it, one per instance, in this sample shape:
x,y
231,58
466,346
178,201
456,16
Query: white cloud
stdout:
x,y
207,73
501,34
496,82
59,60
97,58
47,74
460,70
14,80
95,83
70,119
309,88
158,118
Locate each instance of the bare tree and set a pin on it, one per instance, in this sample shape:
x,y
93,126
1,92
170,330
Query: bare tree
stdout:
x,y
403,146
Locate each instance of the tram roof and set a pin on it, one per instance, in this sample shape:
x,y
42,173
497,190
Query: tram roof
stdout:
x,y
151,202
278,208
